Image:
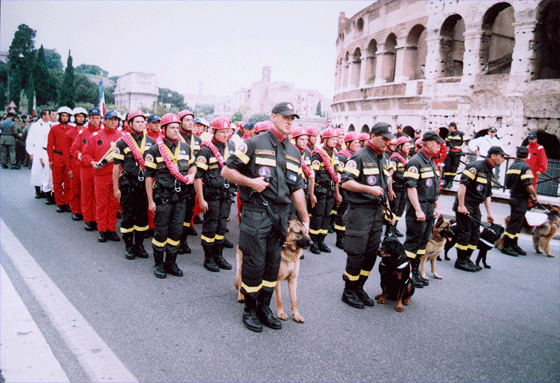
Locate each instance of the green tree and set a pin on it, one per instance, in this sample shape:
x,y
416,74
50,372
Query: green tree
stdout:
x,y
204,109
67,90
318,111
86,90
91,69
110,95
45,83
259,117
54,61
29,92
237,116
3,83
21,58
167,96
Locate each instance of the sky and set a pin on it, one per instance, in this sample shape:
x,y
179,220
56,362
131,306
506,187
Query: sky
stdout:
x,y
223,44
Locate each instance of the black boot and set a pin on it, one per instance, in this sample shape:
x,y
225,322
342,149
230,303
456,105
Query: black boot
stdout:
x,y
50,199
476,267
102,237
250,319
397,233
60,209
190,231
184,246
322,245
463,263
170,264
209,263
113,236
518,249
339,239
361,294
264,313
139,249
129,245
414,265
38,193
315,246
349,295
508,248
76,217
228,244
219,258
89,226
159,269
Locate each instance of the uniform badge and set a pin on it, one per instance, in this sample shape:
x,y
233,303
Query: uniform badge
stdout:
x,y
265,172
529,172
99,142
149,158
290,106
351,164
413,169
182,152
201,159
116,150
429,182
292,177
371,180
479,188
316,163
472,171
242,148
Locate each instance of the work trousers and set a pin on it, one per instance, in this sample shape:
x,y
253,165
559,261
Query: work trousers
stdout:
x,y
106,204
518,206
8,150
320,214
418,233
61,183
215,221
134,205
168,222
75,186
87,187
468,226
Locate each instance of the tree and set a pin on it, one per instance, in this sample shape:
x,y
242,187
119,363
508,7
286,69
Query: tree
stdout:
x,y
67,90
237,116
45,83
86,90
318,111
91,69
167,96
21,58
259,117
29,93
205,109
109,95
3,83
54,61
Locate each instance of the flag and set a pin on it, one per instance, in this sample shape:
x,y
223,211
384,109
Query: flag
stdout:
x,y
34,110
102,107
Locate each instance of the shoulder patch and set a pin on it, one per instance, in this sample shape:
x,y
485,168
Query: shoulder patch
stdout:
x,y
201,159
242,148
351,164
472,171
528,171
149,158
316,163
117,150
413,169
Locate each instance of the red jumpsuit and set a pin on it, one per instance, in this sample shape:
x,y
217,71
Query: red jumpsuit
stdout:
x,y
87,193
58,151
537,160
75,166
107,206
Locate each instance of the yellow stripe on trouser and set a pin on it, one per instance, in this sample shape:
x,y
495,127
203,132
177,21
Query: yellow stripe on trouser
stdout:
x,y
125,230
512,236
141,228
219,237
339,228
314,232
410,254
172,242
158,244
461,247
364,273
421,252
250,289
269,284
352,278
323,231
186,224
206,239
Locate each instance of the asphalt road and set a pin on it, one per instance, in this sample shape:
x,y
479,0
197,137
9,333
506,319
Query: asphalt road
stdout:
x,y
498,325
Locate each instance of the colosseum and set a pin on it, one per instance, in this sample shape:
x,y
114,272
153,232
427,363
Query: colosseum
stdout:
x,y
424,64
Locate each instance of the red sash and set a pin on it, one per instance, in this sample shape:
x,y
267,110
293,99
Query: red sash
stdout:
x,y
304,167
133,146
165,153
398,155
327,162
215,151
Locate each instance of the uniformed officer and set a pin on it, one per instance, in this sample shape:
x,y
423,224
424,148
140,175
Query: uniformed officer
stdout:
x,y
169,169
455,141
399,159
267,168
152,126
324,164
10,130
475,188
129,186
312,133
214,193
363,138
59,159
537,160
366,185
519,180
300,138
80,115
421,180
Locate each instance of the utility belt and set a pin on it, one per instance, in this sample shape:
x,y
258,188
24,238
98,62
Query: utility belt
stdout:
x,y
163,195
57,152
452,150
215,194
327,184
129,177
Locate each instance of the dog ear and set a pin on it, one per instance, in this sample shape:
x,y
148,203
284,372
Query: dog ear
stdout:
x,y
452,222
439,220
293,217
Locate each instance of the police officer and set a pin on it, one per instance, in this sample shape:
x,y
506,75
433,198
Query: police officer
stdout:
x,y
152,126
129,186
169,169
366,185
267,168
475,188
59,159
399,160
421,180
214,193
324,164
519,180
455,141
10,130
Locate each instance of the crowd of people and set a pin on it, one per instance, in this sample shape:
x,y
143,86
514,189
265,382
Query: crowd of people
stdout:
x,y
159,174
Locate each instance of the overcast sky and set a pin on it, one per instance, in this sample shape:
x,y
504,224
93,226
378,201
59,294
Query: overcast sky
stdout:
x,y
223,44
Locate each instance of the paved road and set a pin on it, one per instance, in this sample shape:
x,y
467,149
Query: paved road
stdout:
x,y
497,325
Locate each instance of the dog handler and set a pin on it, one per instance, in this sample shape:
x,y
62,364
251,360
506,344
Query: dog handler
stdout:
x,y
366,185
267,168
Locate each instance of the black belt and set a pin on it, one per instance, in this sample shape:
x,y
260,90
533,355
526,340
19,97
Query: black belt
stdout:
x,y
57,152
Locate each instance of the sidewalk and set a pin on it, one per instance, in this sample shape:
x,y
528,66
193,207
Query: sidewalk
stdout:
x,y
25,354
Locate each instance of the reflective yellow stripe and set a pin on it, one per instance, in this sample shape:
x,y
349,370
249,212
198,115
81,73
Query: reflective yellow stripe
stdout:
x,y
186,224
352,171
201,165
292,167
159,159
269,284
351,277
469,174
213,159
265,161
243,157
323,231
339,228
218,237
421,252
471,247
250,289
512,236
513,171
410,254
365,273
481,180
334,212
158,244
461,247
449,174
368,171
124,230
151,165
525,176
143,228
206,239
314,232
172,242
397,219
427,175
118,156
411,175
183,157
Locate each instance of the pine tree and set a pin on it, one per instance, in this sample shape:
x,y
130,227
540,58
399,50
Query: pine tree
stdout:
x,y
29,92
318,112
67,90
45,89
21,58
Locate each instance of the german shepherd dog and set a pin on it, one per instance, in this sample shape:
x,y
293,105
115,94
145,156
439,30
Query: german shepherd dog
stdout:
x,y
394,269
543,234
441,233
296,241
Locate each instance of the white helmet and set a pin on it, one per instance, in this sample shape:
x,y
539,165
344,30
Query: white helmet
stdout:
x,y
78,110
64,109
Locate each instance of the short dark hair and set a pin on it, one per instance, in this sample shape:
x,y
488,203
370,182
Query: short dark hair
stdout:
x,y
44,112
453,124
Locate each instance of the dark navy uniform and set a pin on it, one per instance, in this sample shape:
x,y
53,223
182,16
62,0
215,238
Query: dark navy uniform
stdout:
x,y
454,142
134,201
193,141
339,228
170,196
518,177
399,161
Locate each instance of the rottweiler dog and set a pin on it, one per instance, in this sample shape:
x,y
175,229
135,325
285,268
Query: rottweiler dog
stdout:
x,y
396,282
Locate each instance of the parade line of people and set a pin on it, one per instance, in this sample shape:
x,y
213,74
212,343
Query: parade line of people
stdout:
x,y
159,174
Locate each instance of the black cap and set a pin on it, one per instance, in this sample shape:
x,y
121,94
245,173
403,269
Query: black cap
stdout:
x,y
111,114
382,129
492,129
249,125
522,152
532,136
153,118
431,136
496,150
286,109
93,111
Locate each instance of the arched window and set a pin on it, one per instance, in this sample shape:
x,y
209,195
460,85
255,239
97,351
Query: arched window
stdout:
x,y
452,46
498,39
351,128
356,67
547,41
365,129
415,53
360,25
371,62
389,59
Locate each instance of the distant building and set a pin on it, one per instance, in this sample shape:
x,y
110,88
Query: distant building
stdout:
x,y
135,90
4,56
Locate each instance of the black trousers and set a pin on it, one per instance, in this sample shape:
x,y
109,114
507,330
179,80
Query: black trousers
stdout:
x,y
451,165
168,223
468,227
399,203
189,205
215,221
518,206
261,246
134,204
418,233
320,214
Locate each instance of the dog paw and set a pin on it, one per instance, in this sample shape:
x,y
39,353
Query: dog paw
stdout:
x,y
241,300
298,318
282,315
406,302
380,299
437,276
551,255
399,309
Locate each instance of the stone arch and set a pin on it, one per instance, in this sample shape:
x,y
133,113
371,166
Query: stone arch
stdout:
x,y
351,128
365,129
547,41
356,67
371,62
415,53
452,46
549,142
498,39
360,25
345,69
389,58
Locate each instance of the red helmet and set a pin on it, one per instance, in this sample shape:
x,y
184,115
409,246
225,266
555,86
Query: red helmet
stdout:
x,y
262,126
363,136
312,131
135,113
184,113
221,122
418,142
339,131
168,119
351,136
329,133
393,141
241,124
299,131
402,139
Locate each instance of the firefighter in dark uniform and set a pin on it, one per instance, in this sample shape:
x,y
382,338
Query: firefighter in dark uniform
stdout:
x,y
352,146
324,164
267,168
475,188
170,169
300,137
399,160
421,180
455,141
366,185
214,193
193,141
129,186
519,180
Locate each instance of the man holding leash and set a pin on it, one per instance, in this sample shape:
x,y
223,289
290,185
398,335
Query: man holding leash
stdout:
x,y
267,169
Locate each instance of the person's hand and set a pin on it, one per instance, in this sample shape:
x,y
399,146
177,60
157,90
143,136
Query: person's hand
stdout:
x,y
420,216
489,218
42,162
338,199
312,200
462,210
117,193
152,206
436,212
258,184
203,206
376,191
79,156
392,195
70,174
